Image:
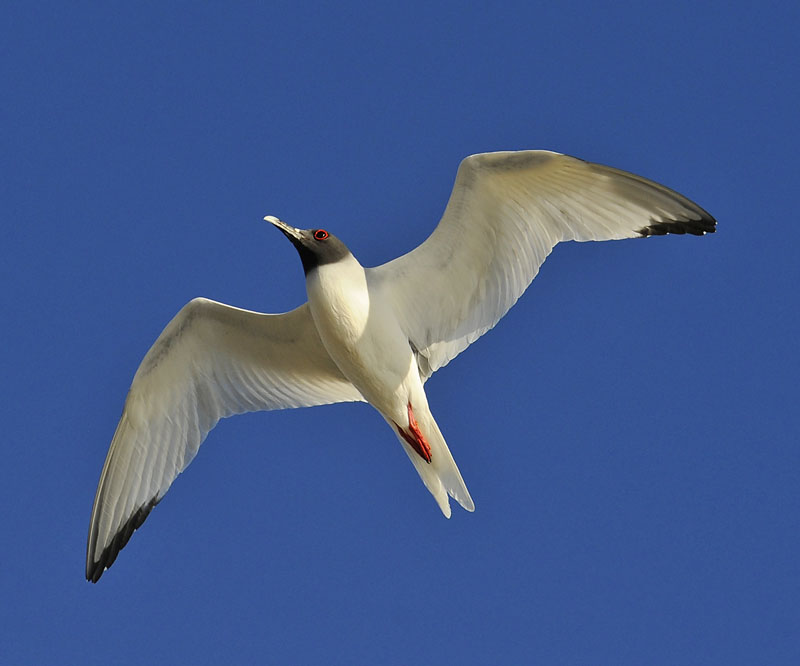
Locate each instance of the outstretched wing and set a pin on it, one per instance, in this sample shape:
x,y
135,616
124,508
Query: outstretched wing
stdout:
x,y
505,214
211,361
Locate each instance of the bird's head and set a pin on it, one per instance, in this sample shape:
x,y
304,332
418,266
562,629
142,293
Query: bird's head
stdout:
x,y
315,246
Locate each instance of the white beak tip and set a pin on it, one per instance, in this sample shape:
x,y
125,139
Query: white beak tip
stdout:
x,y
271,219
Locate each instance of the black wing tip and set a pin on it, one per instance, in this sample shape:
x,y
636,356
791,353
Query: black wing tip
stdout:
x,y
96,568
699,227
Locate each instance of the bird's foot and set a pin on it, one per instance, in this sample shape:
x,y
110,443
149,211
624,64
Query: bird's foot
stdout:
x,y
416,440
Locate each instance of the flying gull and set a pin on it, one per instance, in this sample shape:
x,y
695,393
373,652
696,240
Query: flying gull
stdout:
x,y
368,334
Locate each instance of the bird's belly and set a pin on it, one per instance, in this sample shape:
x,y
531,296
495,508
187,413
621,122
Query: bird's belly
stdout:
x,y
367,345
377,362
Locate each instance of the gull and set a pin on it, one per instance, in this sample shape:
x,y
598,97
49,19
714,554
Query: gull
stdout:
x,y
368,334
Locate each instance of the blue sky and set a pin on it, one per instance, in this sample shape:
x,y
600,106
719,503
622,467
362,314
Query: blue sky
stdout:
x,y
629,432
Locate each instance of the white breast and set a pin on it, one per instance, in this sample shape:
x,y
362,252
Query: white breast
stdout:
x,y
339,301
362,336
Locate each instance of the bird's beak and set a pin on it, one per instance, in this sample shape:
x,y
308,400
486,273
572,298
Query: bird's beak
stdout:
x,y
291,232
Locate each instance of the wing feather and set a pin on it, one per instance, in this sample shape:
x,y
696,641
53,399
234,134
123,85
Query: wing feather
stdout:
x,y
211,361
506,212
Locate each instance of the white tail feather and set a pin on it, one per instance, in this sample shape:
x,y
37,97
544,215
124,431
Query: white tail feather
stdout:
x,y
440,476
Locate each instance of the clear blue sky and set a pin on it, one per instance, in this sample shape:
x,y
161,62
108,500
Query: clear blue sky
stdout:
x,y
629,432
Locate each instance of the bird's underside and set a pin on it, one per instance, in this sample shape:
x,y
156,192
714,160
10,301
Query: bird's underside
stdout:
x,y
505,214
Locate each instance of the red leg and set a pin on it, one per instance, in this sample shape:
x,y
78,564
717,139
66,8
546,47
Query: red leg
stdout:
x,y
416,440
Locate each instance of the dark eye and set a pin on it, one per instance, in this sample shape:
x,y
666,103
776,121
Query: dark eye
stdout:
x,y
320,234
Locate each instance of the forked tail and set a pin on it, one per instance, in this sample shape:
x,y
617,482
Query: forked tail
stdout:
x,y
423,442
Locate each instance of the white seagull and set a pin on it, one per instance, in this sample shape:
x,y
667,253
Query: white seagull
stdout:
x,y
368,334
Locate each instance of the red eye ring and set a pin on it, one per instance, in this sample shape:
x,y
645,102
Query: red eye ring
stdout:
x,y
320,234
